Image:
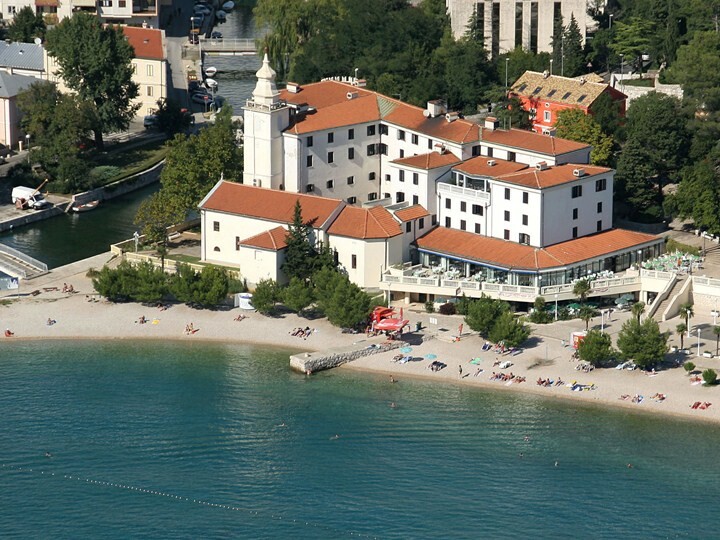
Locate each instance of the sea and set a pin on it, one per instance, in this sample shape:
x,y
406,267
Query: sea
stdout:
x,y
107,439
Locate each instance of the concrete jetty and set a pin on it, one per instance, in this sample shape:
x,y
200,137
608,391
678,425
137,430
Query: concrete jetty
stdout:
x,y
311,362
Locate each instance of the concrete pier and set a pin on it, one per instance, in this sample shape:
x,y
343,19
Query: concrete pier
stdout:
x,y
311,362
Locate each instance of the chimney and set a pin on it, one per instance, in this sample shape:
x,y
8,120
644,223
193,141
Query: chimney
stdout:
x,y
293,88
546,74
541,165
352,95
490,162
435,108
582,81
452,116
578,172
361,83
492,123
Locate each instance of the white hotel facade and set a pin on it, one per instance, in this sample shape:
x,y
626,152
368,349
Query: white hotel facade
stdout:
x,y
500,209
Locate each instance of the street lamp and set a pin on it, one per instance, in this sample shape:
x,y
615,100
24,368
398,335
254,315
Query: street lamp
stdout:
x,y
556,312
639,259
192,25
27,144
602,320
551,62
507,61
698,351
610,22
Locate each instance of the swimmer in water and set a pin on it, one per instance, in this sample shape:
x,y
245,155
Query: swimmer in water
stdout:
x,y
48,455
282,425
393,406
335,437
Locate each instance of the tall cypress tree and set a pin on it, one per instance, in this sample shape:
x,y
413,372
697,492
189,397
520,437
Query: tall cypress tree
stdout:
x,y
299,254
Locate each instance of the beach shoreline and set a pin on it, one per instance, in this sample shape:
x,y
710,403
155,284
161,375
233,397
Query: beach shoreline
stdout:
x,y
79,317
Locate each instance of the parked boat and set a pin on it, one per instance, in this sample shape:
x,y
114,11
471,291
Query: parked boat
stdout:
x,y
221,15
210,71
211,83
85,207
229,5
202,99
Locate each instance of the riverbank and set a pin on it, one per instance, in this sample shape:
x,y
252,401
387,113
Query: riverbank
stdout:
x,y
82,315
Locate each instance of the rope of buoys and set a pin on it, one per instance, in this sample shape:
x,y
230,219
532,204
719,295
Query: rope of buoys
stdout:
x,y
127,487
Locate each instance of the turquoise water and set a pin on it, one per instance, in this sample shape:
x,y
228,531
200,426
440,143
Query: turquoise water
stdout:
x,y
199,422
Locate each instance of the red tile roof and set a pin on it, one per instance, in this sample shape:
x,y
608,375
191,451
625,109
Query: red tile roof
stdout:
x,y
411,212
431,160
529,140
364,223
268,204
510,255
147,42
552,176
273,240
479,166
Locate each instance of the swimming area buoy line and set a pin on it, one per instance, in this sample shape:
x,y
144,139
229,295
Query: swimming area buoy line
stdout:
x,y
200,502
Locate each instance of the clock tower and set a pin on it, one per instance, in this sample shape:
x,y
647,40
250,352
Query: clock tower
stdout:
x,y
265,119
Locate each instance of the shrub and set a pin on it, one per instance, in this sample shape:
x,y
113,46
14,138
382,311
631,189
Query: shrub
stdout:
x,y
430,306
709,377
447,309
689,366
462,305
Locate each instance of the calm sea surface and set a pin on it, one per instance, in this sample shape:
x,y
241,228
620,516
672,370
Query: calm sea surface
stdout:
x,y
160,440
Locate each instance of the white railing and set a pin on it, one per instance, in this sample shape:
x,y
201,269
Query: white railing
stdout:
x,y
465,192
12,252
702,280
238,45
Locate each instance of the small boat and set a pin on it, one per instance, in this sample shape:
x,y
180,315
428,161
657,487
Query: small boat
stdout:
x,y
229,5
211,83
221,15
202,99
216,35
85,207
210,71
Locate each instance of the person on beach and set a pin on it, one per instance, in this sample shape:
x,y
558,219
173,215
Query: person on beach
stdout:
x,y
459,371
8,333
50,321
393,379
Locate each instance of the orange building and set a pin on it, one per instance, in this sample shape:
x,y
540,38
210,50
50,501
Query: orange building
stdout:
x,y
544,96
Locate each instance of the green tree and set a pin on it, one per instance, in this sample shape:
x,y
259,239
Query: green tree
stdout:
x,y
642,342
633,37
698,195
155,215
171,118
182,284
596,348
511,114
115,284
325,281
689,367
467,73
265,296
586,315
573,62
557,43
150,283
212,287
26,26
634,182
298,295
681,329
638,308
95,62
300,252
606,112
709,377
687,312
483,313
474,29
581,289
348,306
697,69
508,329
575,125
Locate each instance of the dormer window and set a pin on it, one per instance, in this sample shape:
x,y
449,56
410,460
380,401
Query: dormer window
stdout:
x,y
551,93
566,95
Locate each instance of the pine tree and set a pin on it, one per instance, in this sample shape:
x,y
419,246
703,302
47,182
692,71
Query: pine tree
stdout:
x,y
474,31
299,253
573,63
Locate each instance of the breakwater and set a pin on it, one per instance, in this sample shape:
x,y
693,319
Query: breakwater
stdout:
x,y
311,362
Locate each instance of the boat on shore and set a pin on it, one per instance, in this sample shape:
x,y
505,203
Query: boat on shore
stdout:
x,y
86,207
210,71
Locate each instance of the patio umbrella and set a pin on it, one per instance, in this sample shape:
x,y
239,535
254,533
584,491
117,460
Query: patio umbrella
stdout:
x,y
406,350
574,305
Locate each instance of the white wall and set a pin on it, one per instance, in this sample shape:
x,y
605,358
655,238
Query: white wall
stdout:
x,y
263,145
372,257
258,264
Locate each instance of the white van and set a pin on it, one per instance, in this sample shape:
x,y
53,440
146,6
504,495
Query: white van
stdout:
x,y
29,197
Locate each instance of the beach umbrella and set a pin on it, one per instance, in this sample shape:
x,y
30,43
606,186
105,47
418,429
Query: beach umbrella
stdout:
x,y
574,305
406,350
430,356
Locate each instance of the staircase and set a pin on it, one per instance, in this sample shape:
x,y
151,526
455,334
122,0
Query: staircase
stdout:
x,y
664,304
17,264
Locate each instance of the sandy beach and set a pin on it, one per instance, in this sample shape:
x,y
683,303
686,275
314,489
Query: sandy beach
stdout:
x,y
82,315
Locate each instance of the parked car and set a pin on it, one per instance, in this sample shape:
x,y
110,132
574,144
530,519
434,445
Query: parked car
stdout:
x,y
150,121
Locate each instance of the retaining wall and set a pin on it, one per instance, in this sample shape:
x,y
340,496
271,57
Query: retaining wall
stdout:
x,y
31,216
121,187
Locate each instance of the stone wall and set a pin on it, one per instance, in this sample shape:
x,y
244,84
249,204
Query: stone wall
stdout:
x,y
311,362
121,187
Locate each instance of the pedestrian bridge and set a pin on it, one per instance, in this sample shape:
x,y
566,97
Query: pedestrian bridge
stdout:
x,y
228,47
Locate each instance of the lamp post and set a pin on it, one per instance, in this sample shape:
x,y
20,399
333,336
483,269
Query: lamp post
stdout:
x,y
551,62
556,311
602,320
27,145
192,25
507,61
610,18
639,259
698,350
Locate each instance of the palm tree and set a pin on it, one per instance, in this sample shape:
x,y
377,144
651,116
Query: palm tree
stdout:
x,y
716,331
681,329
638,308
581,289
586,314
686,311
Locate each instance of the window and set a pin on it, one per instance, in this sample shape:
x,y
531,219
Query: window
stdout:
x,y
575,213
576,192
386,195
547,116
331,137
372,196
490,152
216,226
415,139
574,232
351,134
402,175
518,24
447,222
402,153
382,148
507,194
122,3
524,238
350,180
149,70
476,150
408,227
495,30
477,228
399,197
430,144
330,184
331,157
309,141
353,262
383,129
371,149
526,197
524,220
511,156
477,209
463,206
507,215
601,185
506,235
387,177
401,134
237,243
351,153
463,225
421,223
371,176
416,199
351,200
434,219
416,178
309,188
599,208
370,130
149,90
599,225
308,161
448,204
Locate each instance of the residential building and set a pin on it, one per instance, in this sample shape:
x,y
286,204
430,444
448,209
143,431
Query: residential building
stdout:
x,y
544,95
23,59
508,24
10,87
131,12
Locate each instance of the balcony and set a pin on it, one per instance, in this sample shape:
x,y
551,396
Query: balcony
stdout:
x,y
468,193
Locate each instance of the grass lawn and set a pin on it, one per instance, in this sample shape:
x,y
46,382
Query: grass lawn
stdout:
x,y
184,258
126,162
648,83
